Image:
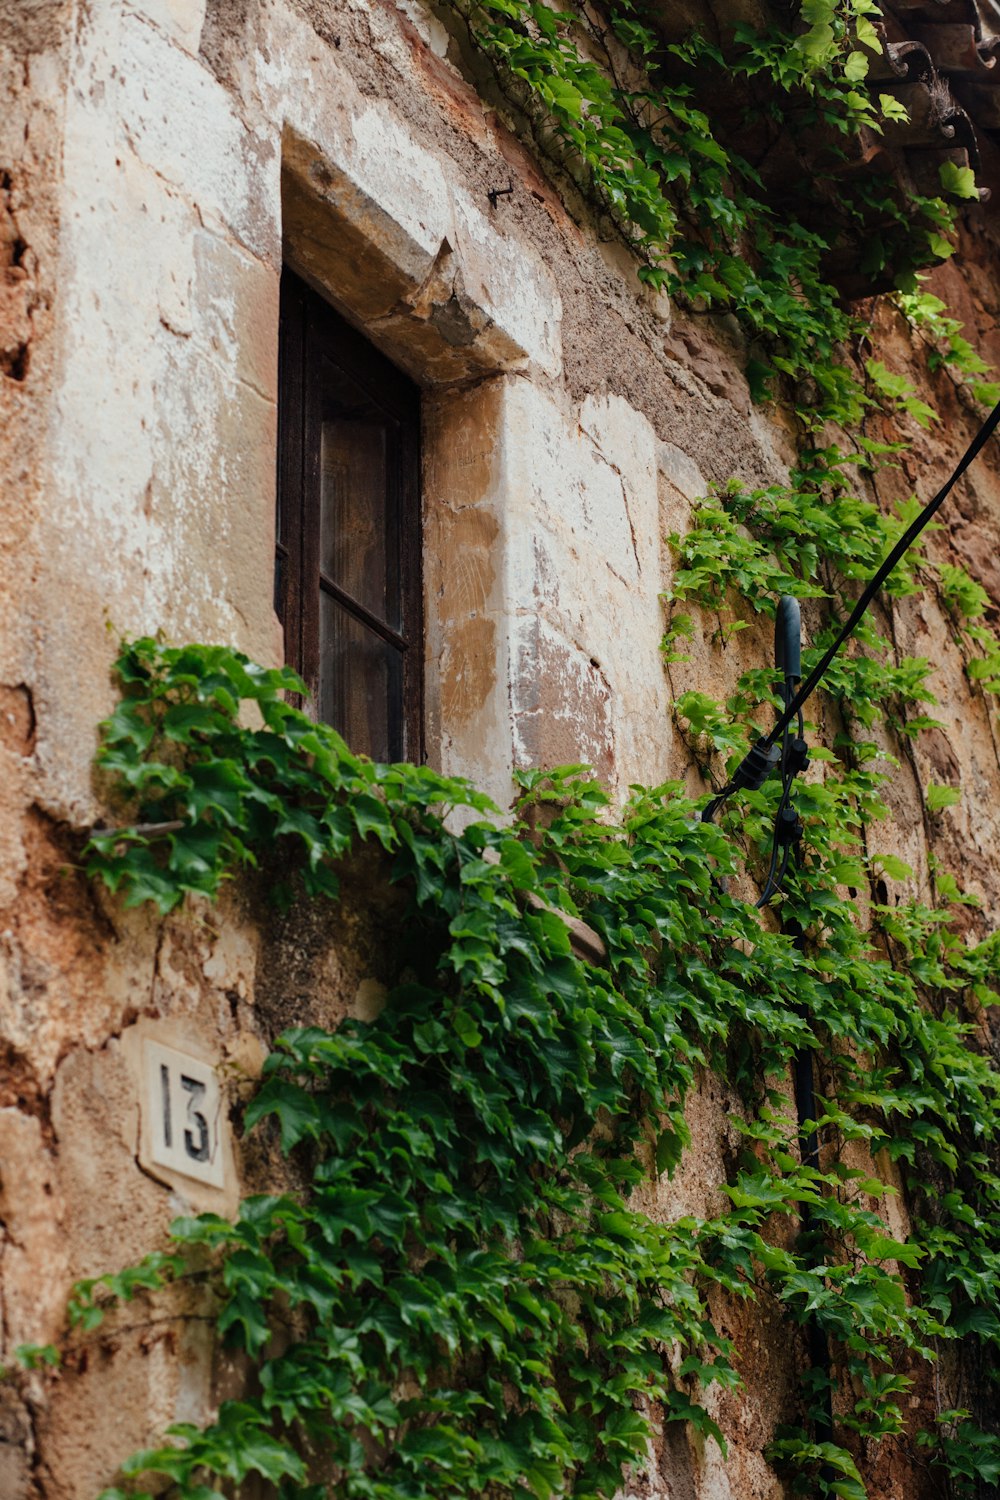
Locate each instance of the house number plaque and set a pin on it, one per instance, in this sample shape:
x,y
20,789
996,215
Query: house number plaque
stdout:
x,y
183,1104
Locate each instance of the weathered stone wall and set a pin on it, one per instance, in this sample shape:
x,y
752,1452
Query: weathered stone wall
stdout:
x,y
158,159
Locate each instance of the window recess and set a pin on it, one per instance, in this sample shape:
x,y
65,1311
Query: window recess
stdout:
x,y
347,565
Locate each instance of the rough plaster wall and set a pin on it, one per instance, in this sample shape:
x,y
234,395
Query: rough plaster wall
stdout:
x,y
32,84
569,425
161,439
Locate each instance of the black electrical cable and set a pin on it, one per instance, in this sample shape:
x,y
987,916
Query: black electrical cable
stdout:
x,y
773,880
783,870
790,768
762,758
771,884
899,551
804,1085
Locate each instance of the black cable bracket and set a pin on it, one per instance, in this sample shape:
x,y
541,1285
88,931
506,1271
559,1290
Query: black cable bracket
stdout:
x,y
496,193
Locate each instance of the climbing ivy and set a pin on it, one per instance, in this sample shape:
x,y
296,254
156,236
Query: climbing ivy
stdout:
x,y
947,346
456,1290
816,539
637,122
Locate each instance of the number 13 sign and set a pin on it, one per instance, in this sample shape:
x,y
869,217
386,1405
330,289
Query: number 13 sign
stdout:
x,y
183,1103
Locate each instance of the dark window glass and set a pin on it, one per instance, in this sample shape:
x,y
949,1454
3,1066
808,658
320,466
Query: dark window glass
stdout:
x,y
347,565
360,677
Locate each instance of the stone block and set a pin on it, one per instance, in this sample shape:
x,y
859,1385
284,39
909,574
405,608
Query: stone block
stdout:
x,y
17,1448
388,229
383,197
234,306
447,306
680,471
583,556
221,538
564,706
113,1213
543,574
168,458
186,127
466,650
510,281
331,240
469,660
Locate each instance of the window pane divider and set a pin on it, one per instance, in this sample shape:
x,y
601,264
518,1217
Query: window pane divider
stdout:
x,y
366,617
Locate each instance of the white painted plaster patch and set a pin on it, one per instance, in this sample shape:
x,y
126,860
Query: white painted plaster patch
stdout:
x,y
682,471
181,20
184,125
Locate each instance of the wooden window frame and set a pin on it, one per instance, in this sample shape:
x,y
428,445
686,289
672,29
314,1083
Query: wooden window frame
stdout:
x,y
311,332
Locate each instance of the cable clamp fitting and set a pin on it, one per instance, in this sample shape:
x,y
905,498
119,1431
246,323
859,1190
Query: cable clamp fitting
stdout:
x,y
788,827
761,759
797,756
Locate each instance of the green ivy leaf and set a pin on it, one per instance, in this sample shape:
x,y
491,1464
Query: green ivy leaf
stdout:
x,y
939,797
959,181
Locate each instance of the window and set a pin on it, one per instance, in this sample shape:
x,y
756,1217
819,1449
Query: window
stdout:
x,y
347,565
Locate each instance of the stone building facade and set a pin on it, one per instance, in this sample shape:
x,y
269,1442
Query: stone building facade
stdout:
x,y
161,162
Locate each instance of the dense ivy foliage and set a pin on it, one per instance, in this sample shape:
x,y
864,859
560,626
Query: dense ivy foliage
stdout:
x,y
815,538
462,1295
657,132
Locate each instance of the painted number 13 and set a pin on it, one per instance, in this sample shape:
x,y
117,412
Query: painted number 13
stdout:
x,y
196,1133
